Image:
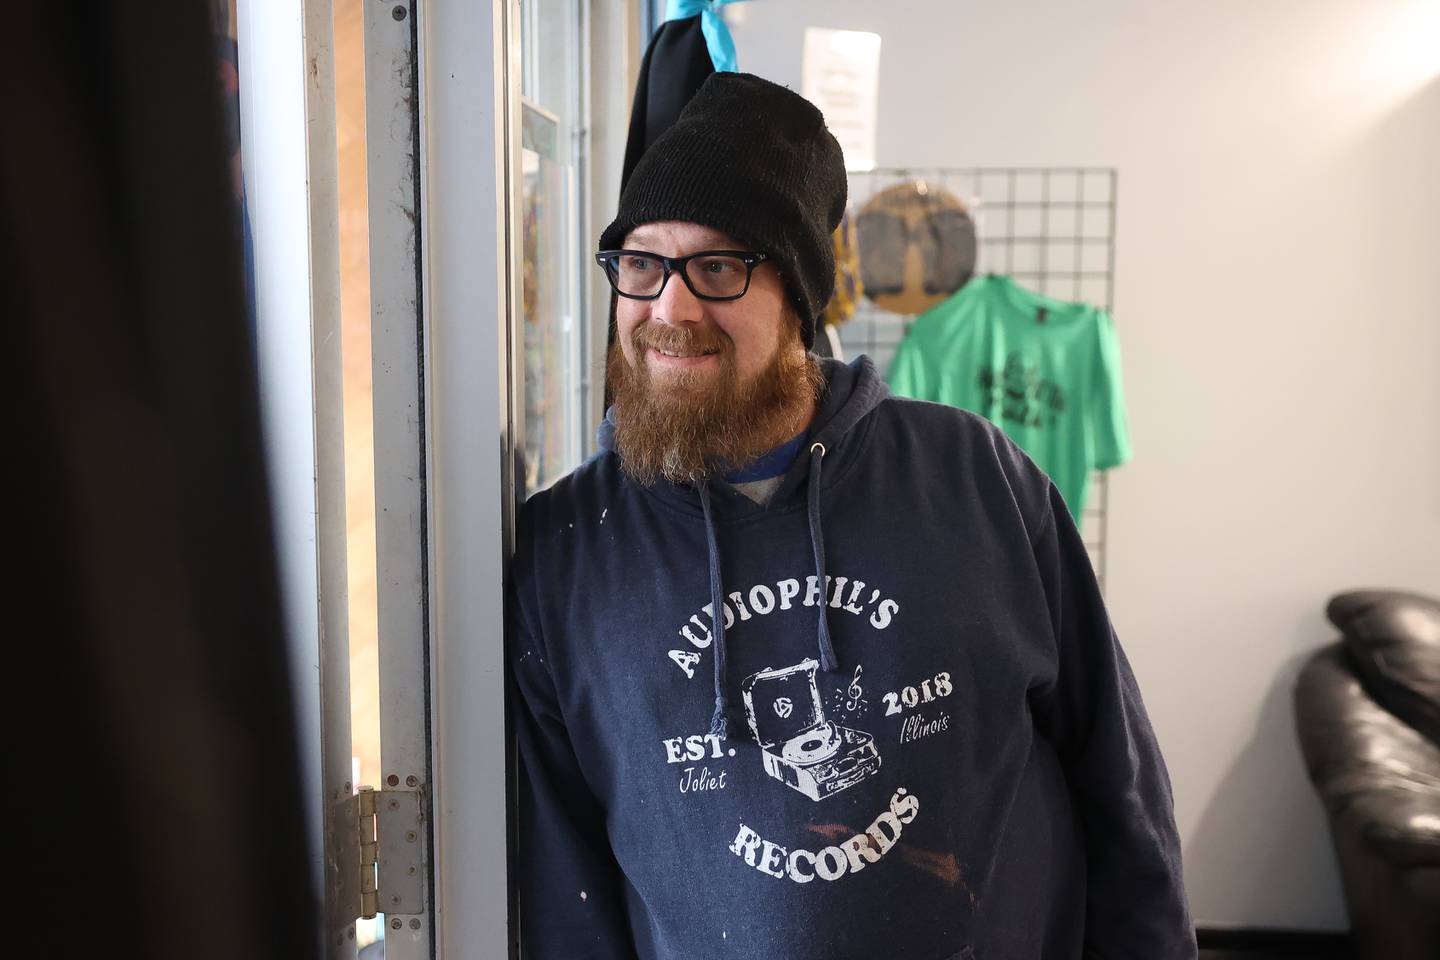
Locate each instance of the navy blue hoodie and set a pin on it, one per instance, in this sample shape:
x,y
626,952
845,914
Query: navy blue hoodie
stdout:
x,y
910,733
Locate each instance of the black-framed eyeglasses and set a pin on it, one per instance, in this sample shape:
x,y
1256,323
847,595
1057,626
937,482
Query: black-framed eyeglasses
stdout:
x,y
710,274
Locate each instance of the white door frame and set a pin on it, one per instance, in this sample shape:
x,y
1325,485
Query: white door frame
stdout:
x,y
468,153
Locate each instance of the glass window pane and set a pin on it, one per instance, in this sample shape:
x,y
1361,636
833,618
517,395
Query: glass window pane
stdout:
x,y
551,245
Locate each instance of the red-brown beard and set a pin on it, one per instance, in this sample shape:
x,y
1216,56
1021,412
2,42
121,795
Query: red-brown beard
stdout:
x,y
692,426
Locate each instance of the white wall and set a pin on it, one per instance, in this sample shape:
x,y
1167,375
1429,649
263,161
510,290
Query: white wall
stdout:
x,y
1278,300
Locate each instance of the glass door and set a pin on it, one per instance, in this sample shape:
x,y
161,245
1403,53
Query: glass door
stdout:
x,y
555,352
377,142
425,327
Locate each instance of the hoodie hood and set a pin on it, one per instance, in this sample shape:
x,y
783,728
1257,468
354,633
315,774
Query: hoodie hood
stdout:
x,y
851,392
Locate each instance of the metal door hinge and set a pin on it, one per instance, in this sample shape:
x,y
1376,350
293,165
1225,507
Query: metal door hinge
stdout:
x,y
381,844
369,851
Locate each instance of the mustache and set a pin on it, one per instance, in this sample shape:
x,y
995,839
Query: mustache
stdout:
x,y
677,339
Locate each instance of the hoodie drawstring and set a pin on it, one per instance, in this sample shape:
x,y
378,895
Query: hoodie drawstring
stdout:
x,y
828,663
719,724
719,721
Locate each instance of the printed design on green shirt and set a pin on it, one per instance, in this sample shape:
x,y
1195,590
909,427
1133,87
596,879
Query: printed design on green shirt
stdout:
x,y
1022,394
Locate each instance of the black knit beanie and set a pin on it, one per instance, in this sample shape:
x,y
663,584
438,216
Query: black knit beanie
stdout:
x,y
754,160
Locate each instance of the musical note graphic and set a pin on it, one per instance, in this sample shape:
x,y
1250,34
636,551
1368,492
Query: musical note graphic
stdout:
x,y
854,692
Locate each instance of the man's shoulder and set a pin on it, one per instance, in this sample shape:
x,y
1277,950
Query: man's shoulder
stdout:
x,y
581,500
940,422
940,439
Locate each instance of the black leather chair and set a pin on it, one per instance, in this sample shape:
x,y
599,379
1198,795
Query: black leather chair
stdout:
x,y
1367,711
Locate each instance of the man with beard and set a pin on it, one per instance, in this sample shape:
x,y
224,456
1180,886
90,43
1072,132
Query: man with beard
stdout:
x,y
803,670
691,393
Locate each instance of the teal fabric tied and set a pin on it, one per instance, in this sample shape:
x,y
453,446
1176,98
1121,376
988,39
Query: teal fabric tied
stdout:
x,y
717,36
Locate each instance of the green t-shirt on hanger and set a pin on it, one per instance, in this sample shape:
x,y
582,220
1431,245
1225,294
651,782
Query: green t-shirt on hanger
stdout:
x,y
1046,371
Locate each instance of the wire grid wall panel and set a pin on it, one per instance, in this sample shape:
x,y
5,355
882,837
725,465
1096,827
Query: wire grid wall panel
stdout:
x,y
1050,228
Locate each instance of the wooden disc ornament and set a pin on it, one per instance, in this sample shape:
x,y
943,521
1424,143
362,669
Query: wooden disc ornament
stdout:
x,y
917,247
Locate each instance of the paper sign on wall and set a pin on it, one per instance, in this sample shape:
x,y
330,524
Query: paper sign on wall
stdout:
x,y
841,76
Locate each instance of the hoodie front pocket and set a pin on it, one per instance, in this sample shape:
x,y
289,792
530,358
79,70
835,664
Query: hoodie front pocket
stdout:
x,y
967,953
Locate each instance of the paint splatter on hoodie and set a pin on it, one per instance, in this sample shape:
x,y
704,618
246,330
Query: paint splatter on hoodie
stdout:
x,y
884,715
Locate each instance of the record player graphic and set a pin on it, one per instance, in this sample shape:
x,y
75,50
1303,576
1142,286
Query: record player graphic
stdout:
x,y
799,746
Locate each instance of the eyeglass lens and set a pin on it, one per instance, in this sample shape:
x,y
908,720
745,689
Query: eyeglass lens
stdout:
x,y
712,275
